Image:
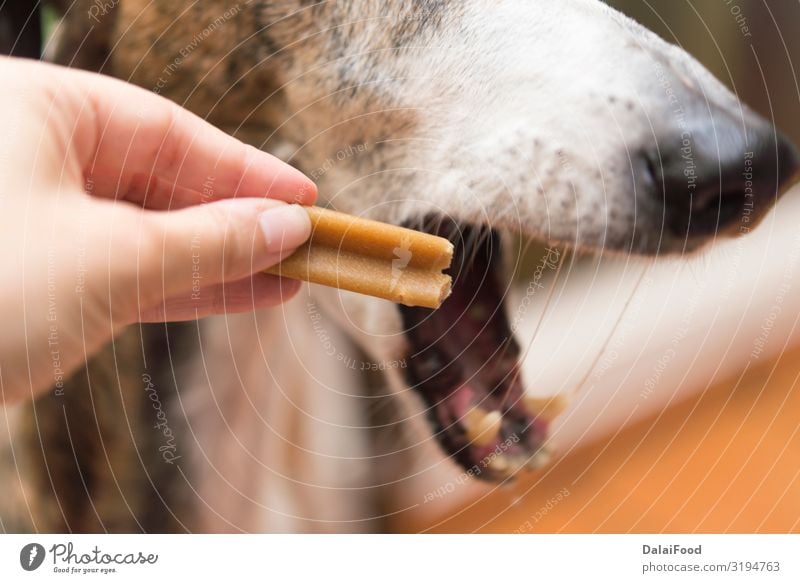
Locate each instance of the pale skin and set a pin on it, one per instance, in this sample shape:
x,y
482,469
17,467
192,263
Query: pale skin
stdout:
x,y
117,207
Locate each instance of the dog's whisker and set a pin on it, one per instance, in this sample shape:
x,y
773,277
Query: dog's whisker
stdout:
x,y
548,299
580,385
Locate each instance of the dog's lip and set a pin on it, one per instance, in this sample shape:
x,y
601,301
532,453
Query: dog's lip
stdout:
x,y
464,362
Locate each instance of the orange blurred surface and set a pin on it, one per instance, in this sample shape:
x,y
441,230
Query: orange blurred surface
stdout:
x,y
725,461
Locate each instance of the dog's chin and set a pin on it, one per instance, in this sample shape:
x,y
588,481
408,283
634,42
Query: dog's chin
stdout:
x,y
465,363
650,239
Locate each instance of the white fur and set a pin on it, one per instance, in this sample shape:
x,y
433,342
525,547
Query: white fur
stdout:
x,y
516,126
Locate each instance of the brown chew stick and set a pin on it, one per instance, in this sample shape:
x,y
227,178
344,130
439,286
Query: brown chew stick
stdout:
x,y
372,258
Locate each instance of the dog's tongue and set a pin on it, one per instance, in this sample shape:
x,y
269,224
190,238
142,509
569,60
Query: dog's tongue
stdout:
x,y
464,361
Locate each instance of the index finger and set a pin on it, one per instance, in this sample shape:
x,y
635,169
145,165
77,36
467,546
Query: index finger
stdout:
x,y
138,132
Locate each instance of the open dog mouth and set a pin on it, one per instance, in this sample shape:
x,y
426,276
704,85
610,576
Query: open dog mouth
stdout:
x,y
465,363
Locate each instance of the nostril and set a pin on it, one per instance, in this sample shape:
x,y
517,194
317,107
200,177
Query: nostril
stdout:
x,y
724,210
731,205
705,207
705,212
719,178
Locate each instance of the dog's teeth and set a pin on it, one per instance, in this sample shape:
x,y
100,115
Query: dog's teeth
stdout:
x,y
546,408
539,460
499,465
483,427
517,463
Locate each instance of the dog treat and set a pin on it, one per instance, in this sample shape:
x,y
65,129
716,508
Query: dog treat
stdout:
x,y
546,408
372,258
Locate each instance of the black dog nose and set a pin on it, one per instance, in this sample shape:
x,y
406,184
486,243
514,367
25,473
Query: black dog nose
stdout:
x,y
720,177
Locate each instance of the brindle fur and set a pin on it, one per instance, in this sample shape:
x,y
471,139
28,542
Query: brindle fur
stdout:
x,y
87,459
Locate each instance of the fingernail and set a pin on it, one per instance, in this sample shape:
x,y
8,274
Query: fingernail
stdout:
x,y
285,227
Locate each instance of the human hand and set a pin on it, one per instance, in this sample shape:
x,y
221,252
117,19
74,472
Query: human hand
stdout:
x,y
118,206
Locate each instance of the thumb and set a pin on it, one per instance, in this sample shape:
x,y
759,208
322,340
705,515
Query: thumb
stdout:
x,y
220,242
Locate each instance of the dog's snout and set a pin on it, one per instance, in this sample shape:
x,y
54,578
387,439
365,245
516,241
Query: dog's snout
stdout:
x,y
715,176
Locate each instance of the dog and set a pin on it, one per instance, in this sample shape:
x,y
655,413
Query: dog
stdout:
x,y
564,122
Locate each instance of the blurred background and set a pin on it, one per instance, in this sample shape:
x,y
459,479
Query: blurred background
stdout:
x,y
760,68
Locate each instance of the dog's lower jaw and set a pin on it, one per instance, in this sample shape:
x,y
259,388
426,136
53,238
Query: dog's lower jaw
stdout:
x,y
464,362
